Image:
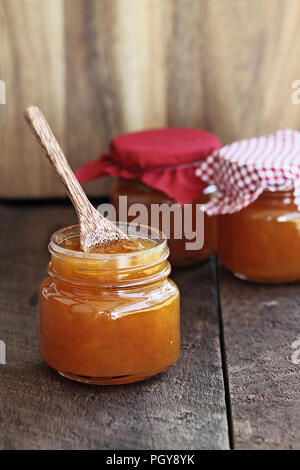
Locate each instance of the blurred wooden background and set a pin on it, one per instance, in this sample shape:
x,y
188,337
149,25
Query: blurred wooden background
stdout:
x,y
98,68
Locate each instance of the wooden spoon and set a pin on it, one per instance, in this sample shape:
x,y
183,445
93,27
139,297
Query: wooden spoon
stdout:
x,y
94,228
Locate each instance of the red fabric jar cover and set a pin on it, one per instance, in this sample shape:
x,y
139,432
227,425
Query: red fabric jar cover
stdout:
x,y
164,159
244,169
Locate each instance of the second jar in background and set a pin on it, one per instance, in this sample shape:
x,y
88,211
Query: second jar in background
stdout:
x,y
139,193
262,242
157,166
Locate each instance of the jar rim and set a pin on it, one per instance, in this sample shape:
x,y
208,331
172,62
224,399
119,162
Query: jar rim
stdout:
x,y
73,230
281,190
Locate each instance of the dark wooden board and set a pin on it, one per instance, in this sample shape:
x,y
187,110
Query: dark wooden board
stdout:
x,y
183,408
261,322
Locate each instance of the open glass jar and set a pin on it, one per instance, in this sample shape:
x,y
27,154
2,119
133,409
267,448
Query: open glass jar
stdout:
x,y
262,241
109,318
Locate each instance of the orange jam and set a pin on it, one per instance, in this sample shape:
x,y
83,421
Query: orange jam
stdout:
x,y
109,317
262,241
116,247
138,192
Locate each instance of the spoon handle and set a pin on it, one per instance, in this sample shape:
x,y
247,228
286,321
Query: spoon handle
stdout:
x,y
94,228
53,151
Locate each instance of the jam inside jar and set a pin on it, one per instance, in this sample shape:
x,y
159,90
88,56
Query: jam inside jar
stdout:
x,y
138,192
262,242
109,318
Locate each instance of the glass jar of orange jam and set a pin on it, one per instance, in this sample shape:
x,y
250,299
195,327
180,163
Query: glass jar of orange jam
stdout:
x,y
109,317
262,242
138,192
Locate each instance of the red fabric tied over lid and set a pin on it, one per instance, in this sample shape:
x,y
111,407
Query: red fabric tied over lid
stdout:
x,y
244,169
164,159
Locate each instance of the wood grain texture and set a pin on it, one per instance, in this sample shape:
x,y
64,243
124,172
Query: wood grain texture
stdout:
x,y
100,68
94,107
182,408
2,66
34,72
261,322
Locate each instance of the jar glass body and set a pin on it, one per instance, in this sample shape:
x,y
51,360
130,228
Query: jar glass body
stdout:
x,y
108,319
262,241
138,192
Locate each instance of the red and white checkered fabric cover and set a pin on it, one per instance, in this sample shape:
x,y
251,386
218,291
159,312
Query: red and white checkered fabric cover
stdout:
x,y
243,169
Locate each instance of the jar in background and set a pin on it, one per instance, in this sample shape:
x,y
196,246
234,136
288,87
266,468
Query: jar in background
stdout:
x,y
109,318
262,242
157,166
138,192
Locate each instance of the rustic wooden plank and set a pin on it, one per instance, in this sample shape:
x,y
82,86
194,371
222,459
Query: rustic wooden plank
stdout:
x,y
34,72
100,68
2,67
224,76
93,111
261,323
182,408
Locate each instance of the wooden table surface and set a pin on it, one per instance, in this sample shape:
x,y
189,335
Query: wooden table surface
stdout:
x,y
236,384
